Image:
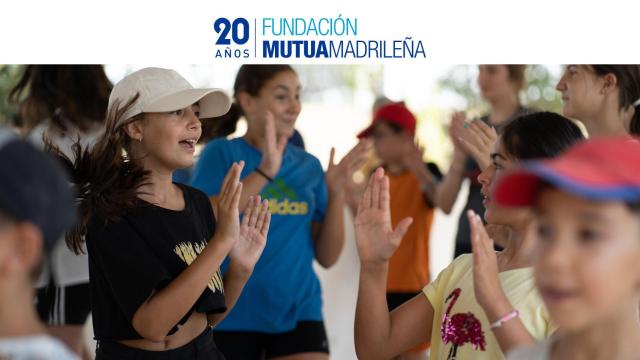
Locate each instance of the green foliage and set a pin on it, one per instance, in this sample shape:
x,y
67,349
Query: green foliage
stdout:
x,y
9,75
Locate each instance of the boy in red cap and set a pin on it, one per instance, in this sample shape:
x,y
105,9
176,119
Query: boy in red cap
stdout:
x,y
587,204
411,186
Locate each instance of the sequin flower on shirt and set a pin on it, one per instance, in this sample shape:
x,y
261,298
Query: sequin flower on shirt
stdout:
x,y
459,329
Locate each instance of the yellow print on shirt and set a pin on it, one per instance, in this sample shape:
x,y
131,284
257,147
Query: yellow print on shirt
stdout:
x,y
188,253
286,207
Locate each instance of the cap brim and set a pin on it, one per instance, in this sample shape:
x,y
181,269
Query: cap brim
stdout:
x,y
213,102
366,132
520,187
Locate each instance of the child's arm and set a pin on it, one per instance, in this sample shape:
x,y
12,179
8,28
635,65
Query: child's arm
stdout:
x,y
488,289
378,334
272,151
383,335
329,234
163,309
245,253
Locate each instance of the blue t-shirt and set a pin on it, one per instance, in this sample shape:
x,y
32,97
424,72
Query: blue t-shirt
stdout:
x,y
283,288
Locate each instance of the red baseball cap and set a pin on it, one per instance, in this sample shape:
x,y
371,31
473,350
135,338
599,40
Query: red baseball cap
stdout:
x,y
597,169
395,113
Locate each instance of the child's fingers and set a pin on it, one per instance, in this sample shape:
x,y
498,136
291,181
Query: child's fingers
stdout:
x,y
475,130
467,145
282,143
267,221
247,213
359,159
366,198
234,179
483,133
232,184
262,213
483,236
484,128
225,182
332,155
471,216
402,228
375,191
255,206
235,200
269,131
384,194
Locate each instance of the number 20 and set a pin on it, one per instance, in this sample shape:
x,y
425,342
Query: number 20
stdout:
x,y
223,26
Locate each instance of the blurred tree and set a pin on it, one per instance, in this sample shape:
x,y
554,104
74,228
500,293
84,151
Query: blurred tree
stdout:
x,y
539,93
9,75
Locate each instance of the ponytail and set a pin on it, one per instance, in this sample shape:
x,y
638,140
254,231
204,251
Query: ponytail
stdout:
x,y
221,126
628,77
105,178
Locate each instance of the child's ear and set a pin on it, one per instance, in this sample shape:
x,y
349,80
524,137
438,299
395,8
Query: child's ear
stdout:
x,y
134,130
245,101
610,83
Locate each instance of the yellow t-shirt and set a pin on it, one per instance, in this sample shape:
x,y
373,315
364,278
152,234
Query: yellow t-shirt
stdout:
x,y
443,295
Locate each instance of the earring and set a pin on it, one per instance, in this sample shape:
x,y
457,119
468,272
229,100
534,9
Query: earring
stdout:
x,y
140,140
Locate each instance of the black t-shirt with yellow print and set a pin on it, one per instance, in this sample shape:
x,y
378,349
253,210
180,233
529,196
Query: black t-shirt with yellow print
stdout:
x,y
142,252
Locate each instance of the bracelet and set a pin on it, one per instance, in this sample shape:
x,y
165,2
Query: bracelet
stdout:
x,y
264,175
512,315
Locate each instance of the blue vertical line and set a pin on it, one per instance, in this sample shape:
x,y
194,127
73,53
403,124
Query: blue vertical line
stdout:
x,y
255,38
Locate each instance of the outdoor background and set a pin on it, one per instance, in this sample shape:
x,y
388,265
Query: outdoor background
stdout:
x,y
337,101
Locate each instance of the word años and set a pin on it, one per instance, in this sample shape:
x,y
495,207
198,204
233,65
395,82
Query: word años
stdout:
x,y
229,53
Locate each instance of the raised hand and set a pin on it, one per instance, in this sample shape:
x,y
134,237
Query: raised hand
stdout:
x,y
478,141
486,281
227,213
253,234
273,147
456,128
338,175
375,238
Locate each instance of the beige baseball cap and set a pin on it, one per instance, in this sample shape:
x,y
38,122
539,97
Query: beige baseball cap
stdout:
x,y
164,90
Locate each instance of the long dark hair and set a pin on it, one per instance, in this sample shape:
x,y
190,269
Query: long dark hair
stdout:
x,y
250,79
628,80
105,176
77,93
539,135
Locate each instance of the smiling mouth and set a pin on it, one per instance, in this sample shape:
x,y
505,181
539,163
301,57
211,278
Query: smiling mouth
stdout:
x,y
189,144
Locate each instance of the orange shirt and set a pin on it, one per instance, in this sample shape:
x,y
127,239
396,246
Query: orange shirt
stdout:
x,y
409,265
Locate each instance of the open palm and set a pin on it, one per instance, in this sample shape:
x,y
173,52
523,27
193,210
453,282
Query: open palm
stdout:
x,y
253,233
375,238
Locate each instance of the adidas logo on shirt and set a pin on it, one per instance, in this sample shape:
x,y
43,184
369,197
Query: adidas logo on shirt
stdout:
x,y
283,200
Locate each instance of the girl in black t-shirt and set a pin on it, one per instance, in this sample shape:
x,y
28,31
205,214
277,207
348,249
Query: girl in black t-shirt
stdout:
x,y
155,247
